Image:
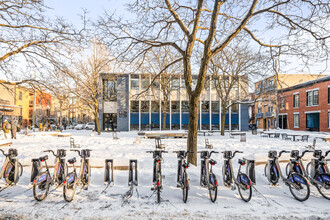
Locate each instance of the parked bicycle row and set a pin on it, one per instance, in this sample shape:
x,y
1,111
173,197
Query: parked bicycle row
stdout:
x,y
297,178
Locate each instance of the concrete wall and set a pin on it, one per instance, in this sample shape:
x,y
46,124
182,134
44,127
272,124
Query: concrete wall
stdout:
x,y
122,103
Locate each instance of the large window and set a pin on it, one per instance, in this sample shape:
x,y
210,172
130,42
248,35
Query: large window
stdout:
x,y
135,106
185,106
145,83
296,120
175,84
328,95
175,106
109,90
135,83
145,106
313,98
296,100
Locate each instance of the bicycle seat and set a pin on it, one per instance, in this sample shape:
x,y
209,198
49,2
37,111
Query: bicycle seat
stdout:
x,y
73,160
185,165
241,162
43,158
35,160
212,162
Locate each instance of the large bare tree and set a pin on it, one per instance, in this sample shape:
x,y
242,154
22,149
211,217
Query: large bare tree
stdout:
x,y
207,27
30,38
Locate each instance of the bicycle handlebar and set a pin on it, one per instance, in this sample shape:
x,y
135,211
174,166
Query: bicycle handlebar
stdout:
x,y
77,151
55,155
237,151
326,153
306,151
3,152
283,151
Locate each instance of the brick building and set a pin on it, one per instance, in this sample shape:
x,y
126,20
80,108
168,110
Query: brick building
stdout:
x,y
306,106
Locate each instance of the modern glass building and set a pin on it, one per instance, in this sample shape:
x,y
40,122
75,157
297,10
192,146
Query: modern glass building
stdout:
x,y
137,102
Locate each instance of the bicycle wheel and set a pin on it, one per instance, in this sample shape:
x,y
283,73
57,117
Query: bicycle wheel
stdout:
x,y
69,186
244,187
9,173
159,182
86,175
274,175
185,187
287,169
324,185
41,186
299,186
265,169
213,187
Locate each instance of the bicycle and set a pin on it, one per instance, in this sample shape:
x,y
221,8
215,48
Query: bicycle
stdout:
x,y
12,169
182,176
318,176
157,172
208,178
72,179
297,183
242,181
320,163
43,180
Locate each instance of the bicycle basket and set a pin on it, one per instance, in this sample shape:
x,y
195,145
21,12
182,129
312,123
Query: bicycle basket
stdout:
x,y
294,153
12,152
272,154
317,154
227,154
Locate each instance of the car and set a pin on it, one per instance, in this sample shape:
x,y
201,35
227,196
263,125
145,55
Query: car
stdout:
x,y
80,126
90,126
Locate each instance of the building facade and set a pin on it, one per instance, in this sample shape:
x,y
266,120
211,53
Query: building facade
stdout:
x,y
306,106
135,102
8,108
266,98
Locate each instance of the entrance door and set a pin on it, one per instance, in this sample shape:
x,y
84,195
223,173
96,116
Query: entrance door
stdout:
x,y
285,121
265,123
110,121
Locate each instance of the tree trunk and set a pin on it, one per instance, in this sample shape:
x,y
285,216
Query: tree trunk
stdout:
x,y
192,129
164,120
97,122
223,120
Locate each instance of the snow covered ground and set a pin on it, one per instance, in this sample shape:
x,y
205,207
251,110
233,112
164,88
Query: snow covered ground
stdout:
x,y
267,202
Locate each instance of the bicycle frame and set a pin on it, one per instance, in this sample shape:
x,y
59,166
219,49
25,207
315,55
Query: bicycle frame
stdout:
x,y
7,160
229,163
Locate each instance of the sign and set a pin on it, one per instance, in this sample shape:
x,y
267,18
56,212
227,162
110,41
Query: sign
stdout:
x,y
110,107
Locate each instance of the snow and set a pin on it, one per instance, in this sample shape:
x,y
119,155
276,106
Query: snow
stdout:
x,y
267,203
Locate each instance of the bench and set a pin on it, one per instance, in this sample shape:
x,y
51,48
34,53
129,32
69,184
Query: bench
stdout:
x,y
242,135
6,144
207,144
72,144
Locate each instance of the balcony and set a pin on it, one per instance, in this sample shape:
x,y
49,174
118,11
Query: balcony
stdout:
x,y
260,115
270,114
269,88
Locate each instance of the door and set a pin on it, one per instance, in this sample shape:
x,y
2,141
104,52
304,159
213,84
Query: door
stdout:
x,y
313,121
285,121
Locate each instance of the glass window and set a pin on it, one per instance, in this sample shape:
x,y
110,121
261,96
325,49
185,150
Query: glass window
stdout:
x,y
135,106
109,90
155,84
270,108
135,84
145,82
296,101
155,107
205,106
144,106
316,97
185,106
175,106
215,107
175,84
166,106
234,108
282,102
296,120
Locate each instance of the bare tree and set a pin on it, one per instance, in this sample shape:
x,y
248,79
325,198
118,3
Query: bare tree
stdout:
x,y
30,38
84,78
230,70
207,27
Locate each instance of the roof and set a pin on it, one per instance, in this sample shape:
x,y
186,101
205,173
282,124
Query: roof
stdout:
x,y
305,84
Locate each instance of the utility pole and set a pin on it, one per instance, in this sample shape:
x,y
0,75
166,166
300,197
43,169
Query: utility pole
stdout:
x,y
34,99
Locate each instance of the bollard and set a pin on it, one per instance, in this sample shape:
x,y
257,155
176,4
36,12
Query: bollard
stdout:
x,y
108,173
133,175
36,167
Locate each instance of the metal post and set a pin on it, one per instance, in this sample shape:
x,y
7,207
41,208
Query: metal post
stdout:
x,y
34,99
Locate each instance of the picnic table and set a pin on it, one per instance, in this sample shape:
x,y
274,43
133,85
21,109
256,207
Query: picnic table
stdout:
x,y
294,136
269,133
205,132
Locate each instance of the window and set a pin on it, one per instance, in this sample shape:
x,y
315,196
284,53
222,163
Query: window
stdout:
x,y
109,90
270,82
40,112
145,106
20,95
135,84
296,120
175,106
185,106
296,100
282,102
205,106
215,107
175,84
312,98
135,106
328,119
145,82
270,108
155,106
328,95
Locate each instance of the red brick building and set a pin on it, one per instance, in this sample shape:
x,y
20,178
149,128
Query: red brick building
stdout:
x,y
306,106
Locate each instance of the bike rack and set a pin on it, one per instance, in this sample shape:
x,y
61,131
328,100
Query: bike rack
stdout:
x,y
132,166
36,167
250,170
108,173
